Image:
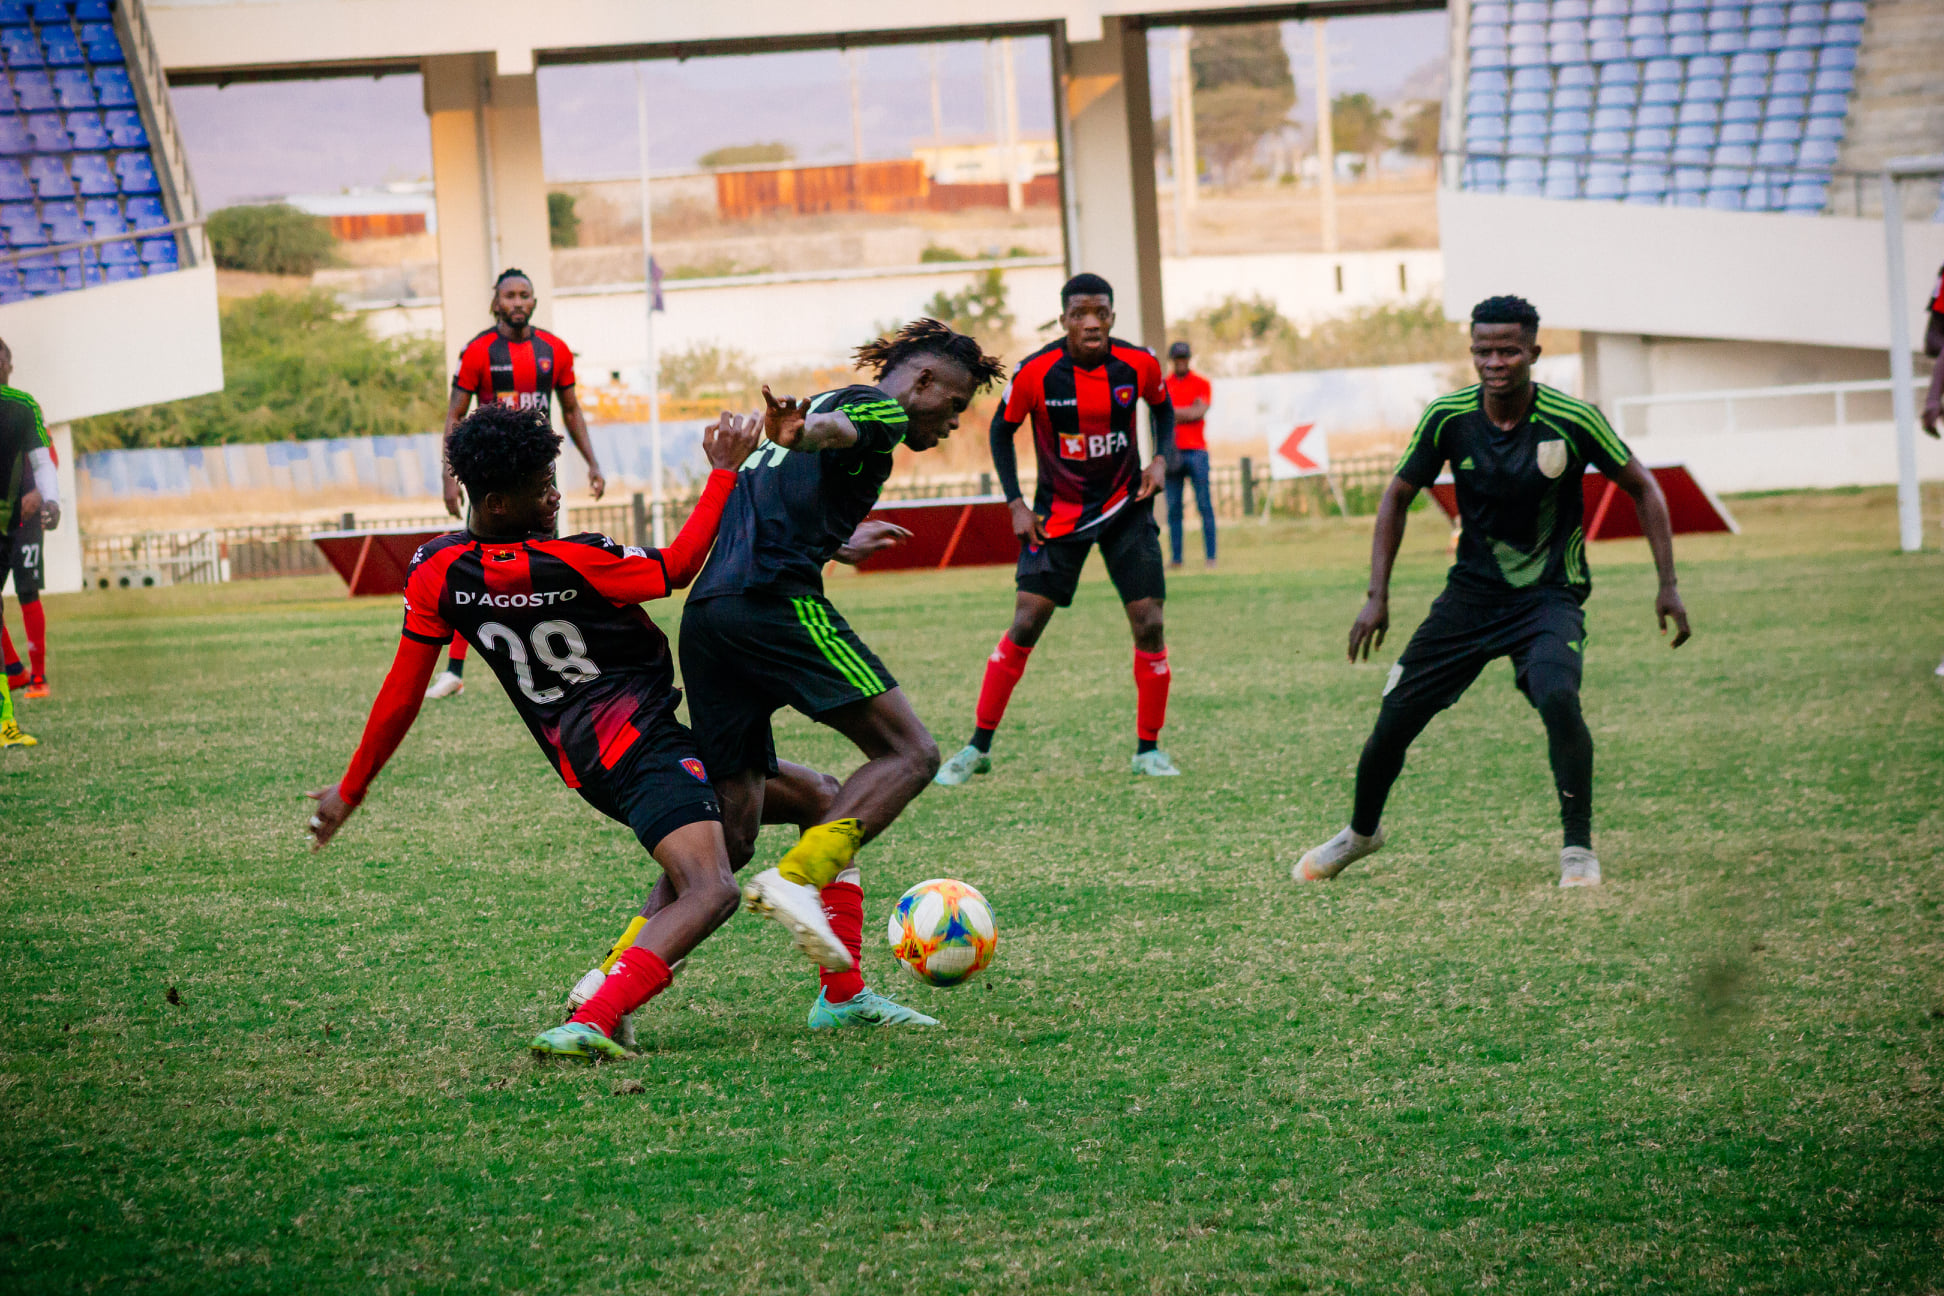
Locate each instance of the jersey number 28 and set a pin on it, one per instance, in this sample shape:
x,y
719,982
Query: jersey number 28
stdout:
x,y
558,645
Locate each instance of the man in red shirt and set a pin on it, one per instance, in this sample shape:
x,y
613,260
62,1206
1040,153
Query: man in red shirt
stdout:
x,y
1191,395
1081,393
512,363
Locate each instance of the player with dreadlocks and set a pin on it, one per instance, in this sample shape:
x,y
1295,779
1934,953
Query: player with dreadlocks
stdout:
x,y
759,635
512,363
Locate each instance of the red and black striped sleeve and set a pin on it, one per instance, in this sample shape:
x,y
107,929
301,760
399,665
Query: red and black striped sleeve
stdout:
x,y
563,361
474,367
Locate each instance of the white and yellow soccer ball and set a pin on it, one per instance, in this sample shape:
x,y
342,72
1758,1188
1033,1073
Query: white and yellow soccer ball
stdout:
x,y
942,931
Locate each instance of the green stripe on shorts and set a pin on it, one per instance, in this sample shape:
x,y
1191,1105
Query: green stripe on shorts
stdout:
x,y
838,653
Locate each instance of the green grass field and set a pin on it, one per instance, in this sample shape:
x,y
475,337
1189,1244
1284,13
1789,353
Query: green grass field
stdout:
x,y
1719,1073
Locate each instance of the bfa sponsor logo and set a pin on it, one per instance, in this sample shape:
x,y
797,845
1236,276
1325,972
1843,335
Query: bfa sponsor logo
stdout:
x,y
1123,396
694,767
1073,446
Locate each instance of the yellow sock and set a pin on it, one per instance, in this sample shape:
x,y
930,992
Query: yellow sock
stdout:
x,y
822,853
623,945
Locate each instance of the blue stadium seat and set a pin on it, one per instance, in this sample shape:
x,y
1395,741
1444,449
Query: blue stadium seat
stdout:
x,y
13,136
1659,115
1495,81
1838,33
60,49
1784,130
1611,8
1562,179
1686,6
1526,146
13,181
1530,11
1609,51
1492,56
1699,112
1484,36
1727,18
101,53
121,253
119,273
1531,101
1724,200
93,33
112,88
73,89
1651,6
1735,155
1613,119
1740,132
159,252
1711,65
1686,44
1806,197
1532,78
1566,31
1648,47
1661,92
1848,11
40,281
1528,56
1568,52
1482,103
1484,175
1613,143
1491,13
1526,126
32,90
1835,81
1526,33
137,174
1789,83
1579,9
1829,128
1743,110
1618,96
1791,107
1653,143
92,175
1749,63
1664,70
1485,132
50,11
1606,29
1766,15
1646,184
1709,89
87,130
145,212
1575,76
47,134
1775,154
1566,145
1795,60
1748,85
1572,97
1837,57
1641,24
18,53
1523,177
1807,11
1606,181
1689,23
13,13
1570,121
1829,105
92,11
101,209
1817,154
1803,37
50,178
1627,73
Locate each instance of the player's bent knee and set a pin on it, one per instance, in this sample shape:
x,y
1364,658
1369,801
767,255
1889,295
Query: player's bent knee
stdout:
x,y
922,756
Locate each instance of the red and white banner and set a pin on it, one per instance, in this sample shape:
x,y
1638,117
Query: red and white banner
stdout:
x,y
1301,451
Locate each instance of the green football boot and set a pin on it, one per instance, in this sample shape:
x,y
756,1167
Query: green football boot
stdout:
x,y
866,1008
966,762
577,1040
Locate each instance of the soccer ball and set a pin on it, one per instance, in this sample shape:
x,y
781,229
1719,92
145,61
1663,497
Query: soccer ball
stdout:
x,y
942,931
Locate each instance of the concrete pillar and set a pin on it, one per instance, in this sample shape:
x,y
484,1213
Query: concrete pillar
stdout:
x,y
1114,223
1613,365
490,187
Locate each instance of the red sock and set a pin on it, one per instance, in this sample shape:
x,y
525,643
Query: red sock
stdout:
x,y
7,651
1003,669
1151,678
457,652
36,618
638,977
843,904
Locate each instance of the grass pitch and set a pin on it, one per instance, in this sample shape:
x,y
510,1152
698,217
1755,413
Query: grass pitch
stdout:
x,y
226,1064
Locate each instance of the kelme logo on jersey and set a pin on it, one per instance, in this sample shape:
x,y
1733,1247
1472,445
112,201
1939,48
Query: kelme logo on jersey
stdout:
x,y
1552,457
694,767
1123,396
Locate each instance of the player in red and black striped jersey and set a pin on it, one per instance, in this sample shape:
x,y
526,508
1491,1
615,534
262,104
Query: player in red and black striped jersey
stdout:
x,y
1081,394
592,677
513,363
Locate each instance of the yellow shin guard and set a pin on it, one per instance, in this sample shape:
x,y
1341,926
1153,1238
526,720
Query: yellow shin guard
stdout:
x,y
624,944
822,853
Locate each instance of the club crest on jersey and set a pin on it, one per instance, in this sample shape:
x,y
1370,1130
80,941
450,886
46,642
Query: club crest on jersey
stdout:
x,y
1073,445
502,555
1552,457
545,366
1123,396
694,767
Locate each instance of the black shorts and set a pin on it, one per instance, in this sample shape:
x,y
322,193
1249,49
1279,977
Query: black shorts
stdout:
x,y
747,656
659,784
1130,544
1544,633
26,561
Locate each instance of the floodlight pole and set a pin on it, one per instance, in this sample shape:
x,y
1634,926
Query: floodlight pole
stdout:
x,y
1910,513
658,525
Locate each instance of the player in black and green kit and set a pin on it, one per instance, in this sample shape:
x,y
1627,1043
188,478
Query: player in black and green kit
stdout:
x,y
26,474
1517,451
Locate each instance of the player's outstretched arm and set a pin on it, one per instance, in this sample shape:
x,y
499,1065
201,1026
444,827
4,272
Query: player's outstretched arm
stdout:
x,y
455,410
873,535
1368,630
790,423
1161,421
1651,505
392,713
1005,465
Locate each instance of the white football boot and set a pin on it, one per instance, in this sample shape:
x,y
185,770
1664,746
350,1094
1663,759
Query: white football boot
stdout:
x,y
800,910
1321,863
1578,867
446,685
965,762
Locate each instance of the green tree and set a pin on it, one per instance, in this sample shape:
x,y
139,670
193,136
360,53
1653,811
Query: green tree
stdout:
x,y
563,223
1248,335
1357,124
1418,136
274,238
295,368
1243,91
979,309
747,155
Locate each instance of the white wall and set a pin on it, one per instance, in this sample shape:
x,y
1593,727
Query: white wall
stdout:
x,y
1681,272
1858,454
1303,285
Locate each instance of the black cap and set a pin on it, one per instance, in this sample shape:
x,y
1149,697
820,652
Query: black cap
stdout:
x,y
1178,351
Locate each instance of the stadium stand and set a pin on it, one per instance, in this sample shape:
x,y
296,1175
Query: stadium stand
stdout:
x,y
1723,104
75,162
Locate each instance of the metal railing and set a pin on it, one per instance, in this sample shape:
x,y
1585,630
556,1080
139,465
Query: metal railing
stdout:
x,y
1731,398
28,254
267,550
165,137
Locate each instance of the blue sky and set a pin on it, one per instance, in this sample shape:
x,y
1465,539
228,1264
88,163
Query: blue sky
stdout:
x,y
368,131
